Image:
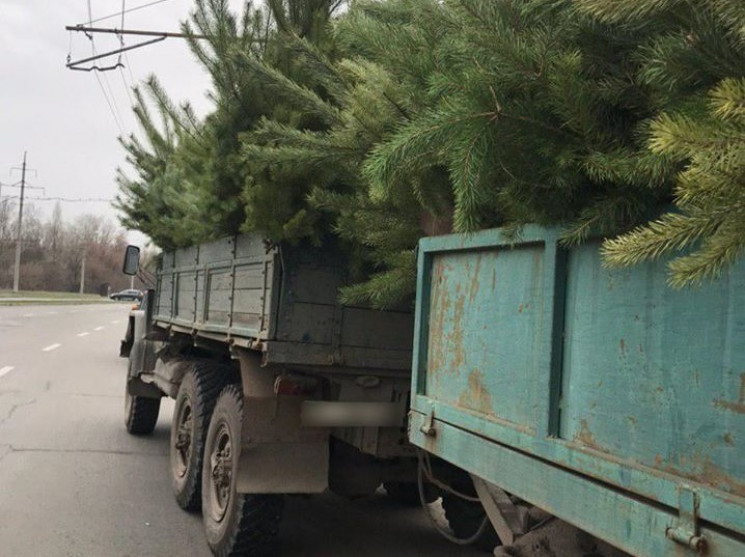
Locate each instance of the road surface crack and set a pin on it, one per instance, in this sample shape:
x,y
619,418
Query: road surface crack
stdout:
x,y
15,407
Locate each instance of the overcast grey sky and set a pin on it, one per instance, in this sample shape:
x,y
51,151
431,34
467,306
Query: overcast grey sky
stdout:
x,y
61,117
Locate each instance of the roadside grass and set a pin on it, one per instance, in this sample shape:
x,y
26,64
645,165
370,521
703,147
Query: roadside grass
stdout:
x,y
23,297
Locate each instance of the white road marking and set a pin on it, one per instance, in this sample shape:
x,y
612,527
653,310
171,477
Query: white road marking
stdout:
x,y
51,313
98,329
28,315
114,322
85,334
6,369
51,347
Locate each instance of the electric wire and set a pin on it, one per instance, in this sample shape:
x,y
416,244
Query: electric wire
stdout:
x,y
112,106
127,87
72,199
117,14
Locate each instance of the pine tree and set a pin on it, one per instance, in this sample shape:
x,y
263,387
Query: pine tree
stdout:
x,y
698,65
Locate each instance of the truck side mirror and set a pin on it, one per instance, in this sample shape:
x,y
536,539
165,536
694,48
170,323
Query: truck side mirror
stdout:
x,y
131,261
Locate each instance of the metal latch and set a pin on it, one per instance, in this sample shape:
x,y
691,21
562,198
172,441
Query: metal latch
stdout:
x,y
428,427
686,531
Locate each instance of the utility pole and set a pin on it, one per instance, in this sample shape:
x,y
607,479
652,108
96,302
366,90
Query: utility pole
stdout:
x,y
17,270
82,274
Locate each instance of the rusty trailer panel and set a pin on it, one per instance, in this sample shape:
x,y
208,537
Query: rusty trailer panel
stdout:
x,y
282,300
524,350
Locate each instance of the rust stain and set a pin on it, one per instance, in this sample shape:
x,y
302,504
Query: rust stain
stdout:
x,y
474,290
729,440
440,308
455,338
700,468
493,280
737,407
585,436
622,345
716,476
520,308
632,420
477,396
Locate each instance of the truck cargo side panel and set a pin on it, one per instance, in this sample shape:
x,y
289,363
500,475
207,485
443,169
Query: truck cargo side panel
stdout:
x,y
524,350
282,300
653,374
487,311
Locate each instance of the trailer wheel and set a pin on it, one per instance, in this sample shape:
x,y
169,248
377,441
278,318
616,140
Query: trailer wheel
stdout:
x,y
195,401
465,519
234,523
140,413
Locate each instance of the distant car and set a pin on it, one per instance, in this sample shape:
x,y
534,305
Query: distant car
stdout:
x,y
128,294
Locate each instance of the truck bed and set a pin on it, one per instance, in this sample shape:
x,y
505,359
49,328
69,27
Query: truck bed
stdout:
x,y
281,300
603,396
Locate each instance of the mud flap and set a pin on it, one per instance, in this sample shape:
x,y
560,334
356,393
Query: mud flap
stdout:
x,y
278,455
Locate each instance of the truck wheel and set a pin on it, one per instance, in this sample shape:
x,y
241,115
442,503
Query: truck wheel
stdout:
x,y
195,401
466,517
234,523
140,413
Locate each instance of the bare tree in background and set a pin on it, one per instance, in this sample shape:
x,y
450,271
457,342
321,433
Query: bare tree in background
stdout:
x,y
53,252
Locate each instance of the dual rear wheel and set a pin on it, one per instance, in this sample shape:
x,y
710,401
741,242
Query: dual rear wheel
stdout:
x,y
234,523
204,453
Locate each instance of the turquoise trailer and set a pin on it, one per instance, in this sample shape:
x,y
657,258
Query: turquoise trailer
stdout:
x,y
602,396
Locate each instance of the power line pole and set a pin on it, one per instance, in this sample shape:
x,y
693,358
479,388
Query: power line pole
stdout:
x,y
82,274
17,270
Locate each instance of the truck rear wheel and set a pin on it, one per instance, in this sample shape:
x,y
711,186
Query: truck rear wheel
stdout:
x,y
234,523
195,401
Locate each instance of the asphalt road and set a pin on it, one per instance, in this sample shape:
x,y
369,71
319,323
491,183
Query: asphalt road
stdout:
x,y
74,483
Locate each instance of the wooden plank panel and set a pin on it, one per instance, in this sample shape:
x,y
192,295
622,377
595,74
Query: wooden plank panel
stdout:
x,y
249,245
185,257
249,276
248,301
308,323
248,320
214,252
220,280
369,328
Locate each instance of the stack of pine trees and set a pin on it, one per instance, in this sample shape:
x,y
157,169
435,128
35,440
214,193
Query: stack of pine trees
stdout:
x,y
389,120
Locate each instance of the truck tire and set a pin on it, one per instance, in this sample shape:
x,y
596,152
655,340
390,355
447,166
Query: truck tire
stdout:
x,y
465,518
140,413
195,401
234,523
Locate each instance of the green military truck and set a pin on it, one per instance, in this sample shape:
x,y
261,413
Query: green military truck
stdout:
x,y
279,388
